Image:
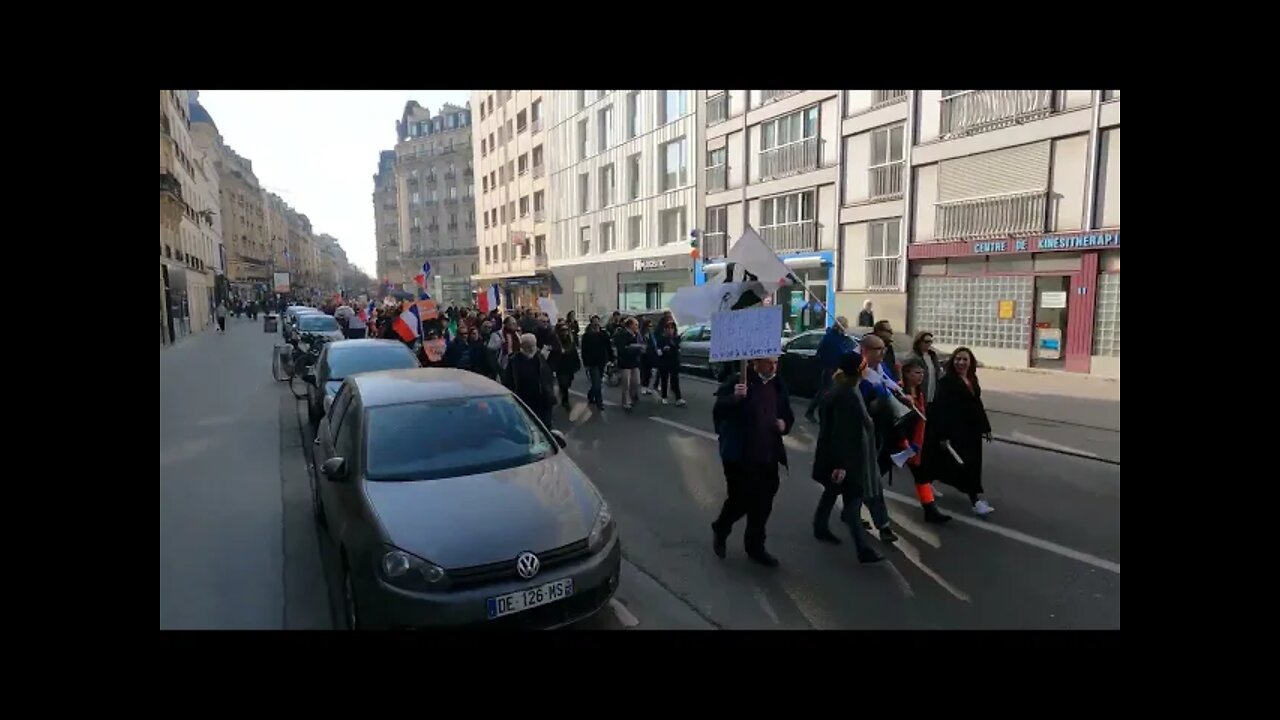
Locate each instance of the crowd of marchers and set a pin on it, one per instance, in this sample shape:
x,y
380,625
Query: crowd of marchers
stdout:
x,y
873,414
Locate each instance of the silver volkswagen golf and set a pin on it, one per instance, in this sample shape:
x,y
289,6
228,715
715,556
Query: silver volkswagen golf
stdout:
x,y
450,504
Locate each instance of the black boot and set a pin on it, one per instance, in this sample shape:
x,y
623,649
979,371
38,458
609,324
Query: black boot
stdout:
x,y
718,542
933,515
869,555
762,556
887,535
826,536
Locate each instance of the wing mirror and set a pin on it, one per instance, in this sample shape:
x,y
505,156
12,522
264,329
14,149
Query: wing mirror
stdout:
x,y
561,440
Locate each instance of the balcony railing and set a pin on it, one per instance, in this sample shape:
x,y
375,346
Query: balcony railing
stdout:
x,y
975,111
415,230
791,237
170,185
432,178
413,182
451,201
523,171
715,245
992,215
453,227
536,125
468,173
531,263
717,177
539,171
768,96
794,157
521,128
450,175
882,273
539,215
388,206
718,109
433,228
885,97
886,181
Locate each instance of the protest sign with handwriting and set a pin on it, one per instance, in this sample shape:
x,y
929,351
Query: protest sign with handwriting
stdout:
x,y
745,334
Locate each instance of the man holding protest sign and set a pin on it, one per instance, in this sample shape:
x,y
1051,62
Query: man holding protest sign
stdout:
x,y
751,414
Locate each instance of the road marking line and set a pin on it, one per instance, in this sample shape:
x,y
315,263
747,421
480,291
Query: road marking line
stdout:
x,y
764,604
1021,437
624,615
1021,537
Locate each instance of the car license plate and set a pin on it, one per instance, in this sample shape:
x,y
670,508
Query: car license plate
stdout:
x,y
531,598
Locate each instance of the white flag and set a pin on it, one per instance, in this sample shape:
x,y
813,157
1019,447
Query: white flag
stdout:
x,y
751,254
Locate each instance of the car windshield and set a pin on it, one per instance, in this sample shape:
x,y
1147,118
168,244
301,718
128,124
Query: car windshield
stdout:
x,y
316,323
453,438
369,358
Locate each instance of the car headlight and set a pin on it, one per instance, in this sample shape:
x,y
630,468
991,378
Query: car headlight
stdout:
x,y
603,529
409,572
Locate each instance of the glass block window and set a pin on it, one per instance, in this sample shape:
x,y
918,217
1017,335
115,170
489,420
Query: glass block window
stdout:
x,y
1106,323
965,310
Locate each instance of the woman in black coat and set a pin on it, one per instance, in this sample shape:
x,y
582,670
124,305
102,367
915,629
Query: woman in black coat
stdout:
x,y
844,461
958,421
565,362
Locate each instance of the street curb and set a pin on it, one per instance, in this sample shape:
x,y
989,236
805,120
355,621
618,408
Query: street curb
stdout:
x,y
1046,448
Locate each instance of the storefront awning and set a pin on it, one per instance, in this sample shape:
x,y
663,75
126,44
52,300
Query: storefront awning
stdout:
x,y
796,263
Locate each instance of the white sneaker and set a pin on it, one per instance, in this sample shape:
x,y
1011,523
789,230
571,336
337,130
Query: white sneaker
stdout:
x,y
681,403
936,492
646,391
664,401
982,508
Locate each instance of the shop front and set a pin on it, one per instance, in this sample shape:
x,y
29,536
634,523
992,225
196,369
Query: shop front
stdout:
x,y
1045,301
634,285
805,306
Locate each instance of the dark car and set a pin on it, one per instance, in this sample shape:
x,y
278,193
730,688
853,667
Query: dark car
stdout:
x,y
290,319
311,324
344,358
451,504
799,362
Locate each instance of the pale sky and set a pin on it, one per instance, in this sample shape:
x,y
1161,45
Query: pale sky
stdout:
x,y
318,149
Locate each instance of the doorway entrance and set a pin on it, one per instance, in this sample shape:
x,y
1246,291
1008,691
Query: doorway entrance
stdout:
x,y
1049,329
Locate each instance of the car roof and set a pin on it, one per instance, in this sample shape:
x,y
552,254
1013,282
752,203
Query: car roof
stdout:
x,y
354,345
395,387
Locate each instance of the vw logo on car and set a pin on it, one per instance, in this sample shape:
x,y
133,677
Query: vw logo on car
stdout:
x,y
527,564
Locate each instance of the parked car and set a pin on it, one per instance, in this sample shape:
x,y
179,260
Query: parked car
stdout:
x,y
290,319
339,360
317,324
451,504
695,352
799,366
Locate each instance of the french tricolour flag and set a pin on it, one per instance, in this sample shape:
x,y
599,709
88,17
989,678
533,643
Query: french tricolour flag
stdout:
x,y
489,299
406,325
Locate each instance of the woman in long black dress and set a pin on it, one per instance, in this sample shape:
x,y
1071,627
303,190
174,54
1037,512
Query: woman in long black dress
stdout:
x,y
958,422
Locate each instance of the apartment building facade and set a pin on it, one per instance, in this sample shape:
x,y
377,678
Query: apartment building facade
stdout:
x,y
772,161
509,146
386,218
624,173
188,243
436,199
1013,221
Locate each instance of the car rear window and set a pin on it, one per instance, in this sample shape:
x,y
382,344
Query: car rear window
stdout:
x,y
369,358
317,323
453,438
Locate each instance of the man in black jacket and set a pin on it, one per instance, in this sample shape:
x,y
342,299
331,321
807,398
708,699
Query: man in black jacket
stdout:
x,y
751,415
469,353
530,377
629,349
597,351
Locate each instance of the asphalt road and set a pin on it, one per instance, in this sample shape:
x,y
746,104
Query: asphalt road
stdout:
x,y
238,548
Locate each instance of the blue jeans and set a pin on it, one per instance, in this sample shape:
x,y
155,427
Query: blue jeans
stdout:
x,y
594,393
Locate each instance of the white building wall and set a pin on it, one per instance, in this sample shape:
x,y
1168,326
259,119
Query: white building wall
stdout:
x,y
1108,210
1070,160
853,256
566,218
737,159
926,198
857,161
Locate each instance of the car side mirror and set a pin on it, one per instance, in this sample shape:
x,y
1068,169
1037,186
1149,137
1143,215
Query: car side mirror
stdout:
x,y
335,468
561,440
